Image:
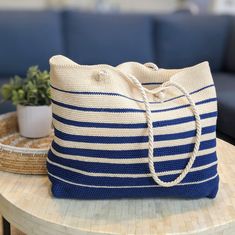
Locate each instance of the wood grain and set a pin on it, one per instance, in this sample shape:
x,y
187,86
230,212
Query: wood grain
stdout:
x,y
27,203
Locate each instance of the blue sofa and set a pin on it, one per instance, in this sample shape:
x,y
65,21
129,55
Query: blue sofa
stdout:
x,y
171,41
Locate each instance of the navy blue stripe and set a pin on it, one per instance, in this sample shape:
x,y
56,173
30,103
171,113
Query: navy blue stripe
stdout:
x,y
136,168
124,96
121,181
138,153
185,106
111,110
132,125
151,83
126,110
61,189
129,139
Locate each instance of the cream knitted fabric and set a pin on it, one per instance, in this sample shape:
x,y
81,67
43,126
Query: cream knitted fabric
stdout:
x,y
112,121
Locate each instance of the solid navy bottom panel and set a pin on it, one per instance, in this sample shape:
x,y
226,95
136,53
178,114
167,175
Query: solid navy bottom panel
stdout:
x,y
63,190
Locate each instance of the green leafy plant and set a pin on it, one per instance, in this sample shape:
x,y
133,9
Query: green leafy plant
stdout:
x,y
34,90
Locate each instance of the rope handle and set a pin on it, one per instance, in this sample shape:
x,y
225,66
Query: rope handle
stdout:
x,y
151,135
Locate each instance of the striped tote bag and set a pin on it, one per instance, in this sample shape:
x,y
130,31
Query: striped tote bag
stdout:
x,y
132,131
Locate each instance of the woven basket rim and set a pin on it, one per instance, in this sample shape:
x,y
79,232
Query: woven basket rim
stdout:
x,y
20,150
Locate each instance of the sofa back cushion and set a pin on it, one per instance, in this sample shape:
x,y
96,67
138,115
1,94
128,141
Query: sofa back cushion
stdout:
x,y
230,52
28,38
93,38
184,40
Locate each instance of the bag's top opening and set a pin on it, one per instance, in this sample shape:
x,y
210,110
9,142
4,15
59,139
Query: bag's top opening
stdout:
x,y
148,77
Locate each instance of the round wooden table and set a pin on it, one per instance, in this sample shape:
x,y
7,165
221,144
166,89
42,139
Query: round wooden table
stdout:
x,y
26,202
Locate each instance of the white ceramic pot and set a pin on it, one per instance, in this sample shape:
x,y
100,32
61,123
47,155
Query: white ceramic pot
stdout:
x,y
34,121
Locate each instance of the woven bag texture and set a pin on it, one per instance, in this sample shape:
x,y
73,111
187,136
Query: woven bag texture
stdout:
x,y
101,144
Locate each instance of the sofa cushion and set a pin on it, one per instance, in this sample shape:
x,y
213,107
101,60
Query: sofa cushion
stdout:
x,y
7,107
93,38
183,40
225,87
28,38
230,55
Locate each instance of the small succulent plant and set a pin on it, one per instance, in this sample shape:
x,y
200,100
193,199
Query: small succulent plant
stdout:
x,y
34,90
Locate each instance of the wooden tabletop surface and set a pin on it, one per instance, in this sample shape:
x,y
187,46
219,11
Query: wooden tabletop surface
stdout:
x,y
26,202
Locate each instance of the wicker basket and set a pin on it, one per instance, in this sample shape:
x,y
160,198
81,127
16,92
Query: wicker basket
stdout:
x,y
19,154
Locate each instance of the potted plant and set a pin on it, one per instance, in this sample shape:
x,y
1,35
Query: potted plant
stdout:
x,y
31,95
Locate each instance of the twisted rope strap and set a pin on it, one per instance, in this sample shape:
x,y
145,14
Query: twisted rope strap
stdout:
x,y
151,135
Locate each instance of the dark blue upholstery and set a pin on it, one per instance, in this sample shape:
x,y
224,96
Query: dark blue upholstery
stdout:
x,y
230,58
172,41
28,38
185,40
225,87
108,38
